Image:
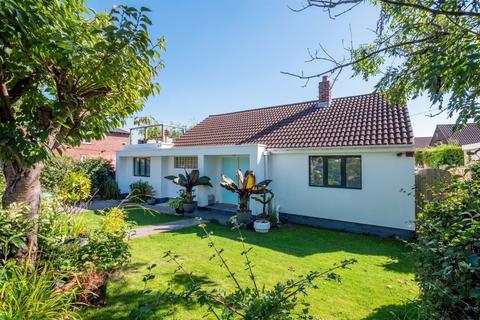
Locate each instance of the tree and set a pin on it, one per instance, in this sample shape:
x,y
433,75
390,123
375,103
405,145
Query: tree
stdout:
x,y
67,73
420,46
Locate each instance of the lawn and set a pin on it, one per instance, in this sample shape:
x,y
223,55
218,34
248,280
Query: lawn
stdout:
x,y
139,216
380,286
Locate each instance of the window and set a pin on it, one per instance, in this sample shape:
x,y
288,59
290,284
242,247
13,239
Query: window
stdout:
x,y
141,167
335,171
87,141
83,157
185,162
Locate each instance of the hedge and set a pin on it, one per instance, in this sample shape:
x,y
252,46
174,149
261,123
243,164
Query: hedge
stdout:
x,y
438,156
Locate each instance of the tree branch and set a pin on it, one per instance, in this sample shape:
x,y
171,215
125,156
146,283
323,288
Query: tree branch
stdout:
x,y
339,66
331,4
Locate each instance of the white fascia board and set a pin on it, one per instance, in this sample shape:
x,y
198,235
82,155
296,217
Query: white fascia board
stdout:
x,y
346,150
244,149
471,146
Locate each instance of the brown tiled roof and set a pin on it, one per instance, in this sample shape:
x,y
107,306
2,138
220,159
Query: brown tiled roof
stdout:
x,y
468,135
422,142
351,121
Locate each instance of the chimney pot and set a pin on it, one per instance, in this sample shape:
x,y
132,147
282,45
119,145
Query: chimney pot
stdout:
x,y
324,91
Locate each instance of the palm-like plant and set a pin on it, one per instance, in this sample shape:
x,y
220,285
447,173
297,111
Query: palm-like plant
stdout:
x,y
247,186
190,181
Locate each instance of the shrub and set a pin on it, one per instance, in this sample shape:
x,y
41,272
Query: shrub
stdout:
x,y
75,187
101,173
141,191
54,171
448,250
13,230
110,189
27,294
438,156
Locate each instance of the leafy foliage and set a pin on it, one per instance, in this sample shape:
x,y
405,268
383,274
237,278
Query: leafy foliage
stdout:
x,y
438,156
27,294
75,187
247,187
13,229
448,250
54,171
281,302
265,199
141,191
71,73
190,180
101,173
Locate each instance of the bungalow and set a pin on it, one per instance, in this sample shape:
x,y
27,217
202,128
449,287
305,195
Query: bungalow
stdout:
x,y
343,163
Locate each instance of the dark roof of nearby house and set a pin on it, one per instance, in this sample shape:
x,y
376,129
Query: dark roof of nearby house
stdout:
x,y
468,135
119,131
363,120
422,142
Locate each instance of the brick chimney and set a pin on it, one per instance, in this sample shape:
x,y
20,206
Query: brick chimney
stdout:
x,y
324,91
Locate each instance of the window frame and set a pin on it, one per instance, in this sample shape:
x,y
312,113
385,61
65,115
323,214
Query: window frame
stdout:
x,y
146,172
175,158
343,172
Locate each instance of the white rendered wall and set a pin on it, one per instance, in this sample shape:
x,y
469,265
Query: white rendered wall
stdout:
x,y
386,197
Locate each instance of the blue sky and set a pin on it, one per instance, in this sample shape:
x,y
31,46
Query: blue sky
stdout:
x,y
227,55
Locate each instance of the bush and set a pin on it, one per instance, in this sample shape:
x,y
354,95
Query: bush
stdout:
x,y
27,294
438,156
448,250
54,171
75,187
13,230
101,173
141,191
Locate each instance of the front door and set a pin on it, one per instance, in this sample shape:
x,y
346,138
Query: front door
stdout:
x,y
230,167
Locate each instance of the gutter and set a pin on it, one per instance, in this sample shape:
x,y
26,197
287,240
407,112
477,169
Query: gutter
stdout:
x,y
346,149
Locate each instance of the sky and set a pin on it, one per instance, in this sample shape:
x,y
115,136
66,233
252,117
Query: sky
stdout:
x,y
227,55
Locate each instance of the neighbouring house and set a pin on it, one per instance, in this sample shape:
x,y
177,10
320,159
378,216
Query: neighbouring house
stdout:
x,y
343,163
445,133
471,152
422,142
113,141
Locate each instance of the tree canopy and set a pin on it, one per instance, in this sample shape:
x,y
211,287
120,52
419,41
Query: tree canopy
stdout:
x,y
68,73
421,47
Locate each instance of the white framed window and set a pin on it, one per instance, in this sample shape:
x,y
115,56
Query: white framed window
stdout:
x,y
185,162
87,141
335,171
83,157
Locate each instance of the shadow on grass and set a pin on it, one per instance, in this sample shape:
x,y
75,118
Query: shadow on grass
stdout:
x,y
406,311
302,241
122,302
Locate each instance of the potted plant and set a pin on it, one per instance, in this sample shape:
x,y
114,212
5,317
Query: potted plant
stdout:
x,y
262,222
247,187
177,203
190,181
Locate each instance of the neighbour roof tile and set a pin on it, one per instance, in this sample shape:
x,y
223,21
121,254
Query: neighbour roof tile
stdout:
x,y
422,142
468,135
350,121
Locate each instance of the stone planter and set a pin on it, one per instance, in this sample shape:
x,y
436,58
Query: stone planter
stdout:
x,y
244,217
189,207
261,226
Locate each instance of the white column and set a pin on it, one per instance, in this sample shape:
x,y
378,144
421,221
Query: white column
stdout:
x,y
257,164
201,191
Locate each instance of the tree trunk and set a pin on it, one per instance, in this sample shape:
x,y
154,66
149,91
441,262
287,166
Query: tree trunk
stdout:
x,y
23,186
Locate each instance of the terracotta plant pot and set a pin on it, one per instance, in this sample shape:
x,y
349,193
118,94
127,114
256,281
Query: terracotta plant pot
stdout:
x,y
189,207
244,217
262,226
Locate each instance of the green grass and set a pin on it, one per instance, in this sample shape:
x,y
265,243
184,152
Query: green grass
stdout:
x,y
380,285
140,216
